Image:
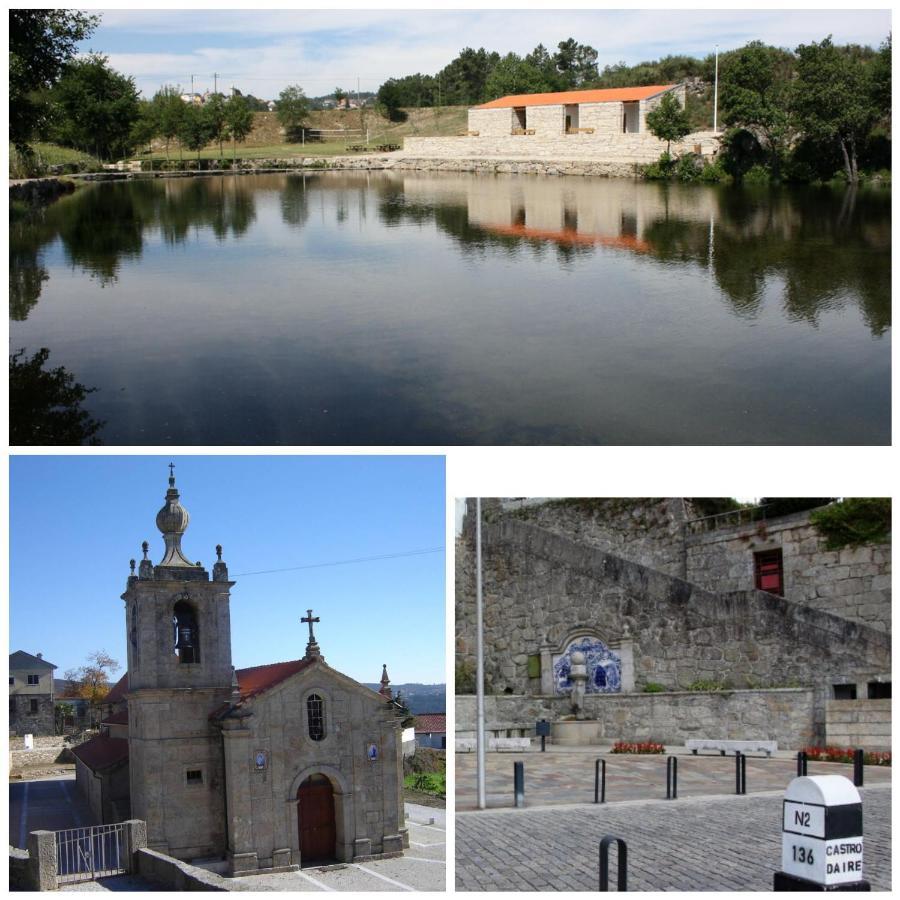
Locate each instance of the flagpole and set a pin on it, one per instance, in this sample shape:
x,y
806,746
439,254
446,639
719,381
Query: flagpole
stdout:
x,y
479,654
716,95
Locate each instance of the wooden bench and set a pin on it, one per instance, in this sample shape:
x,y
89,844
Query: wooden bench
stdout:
x,y
468,134
579,131
498,745
357,148
520,131
387,148
727,746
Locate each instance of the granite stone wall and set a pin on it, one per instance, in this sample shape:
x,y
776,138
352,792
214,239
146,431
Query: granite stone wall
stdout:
x,y
547,121
858,723
23,721
784,715
540,586
854,583
491,122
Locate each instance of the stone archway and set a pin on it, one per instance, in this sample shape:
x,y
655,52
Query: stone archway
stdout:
x,y
316,820
342,799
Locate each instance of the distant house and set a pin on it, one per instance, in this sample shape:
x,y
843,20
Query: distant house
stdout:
x,y
599,112
196,99
431,730
30,694
65,692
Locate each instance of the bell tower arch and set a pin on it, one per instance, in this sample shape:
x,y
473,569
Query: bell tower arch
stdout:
x,y
179,671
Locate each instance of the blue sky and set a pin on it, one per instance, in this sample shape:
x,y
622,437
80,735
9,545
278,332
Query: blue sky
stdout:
x,y
262,51
75,521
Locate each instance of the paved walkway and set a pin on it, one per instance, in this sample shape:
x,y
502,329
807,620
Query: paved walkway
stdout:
x,y
567,776
49,804
421,868
715,843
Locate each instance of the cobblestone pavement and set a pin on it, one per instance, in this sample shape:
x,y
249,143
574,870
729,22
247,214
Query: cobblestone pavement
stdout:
x,y
421,868
567,776
714,843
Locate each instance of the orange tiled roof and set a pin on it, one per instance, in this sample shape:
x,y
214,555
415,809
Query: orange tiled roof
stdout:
x,y
431,722
604,95
570,236
257,679
101,752
118,690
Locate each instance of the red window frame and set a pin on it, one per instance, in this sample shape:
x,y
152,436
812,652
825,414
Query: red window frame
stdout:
x,y
769,571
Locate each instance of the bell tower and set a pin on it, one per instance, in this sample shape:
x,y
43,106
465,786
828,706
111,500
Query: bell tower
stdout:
x,y
179,671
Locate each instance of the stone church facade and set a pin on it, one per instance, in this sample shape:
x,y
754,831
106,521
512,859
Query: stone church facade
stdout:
x,y
270,767
661,603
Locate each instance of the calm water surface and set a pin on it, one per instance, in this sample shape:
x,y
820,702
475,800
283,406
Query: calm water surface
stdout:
x,y
426,309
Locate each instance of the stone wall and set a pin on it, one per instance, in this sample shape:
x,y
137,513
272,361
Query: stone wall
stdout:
x,y
604,118
19,870
613,146
175,875
547,121
648,531
491,122
785,715
651,103
854,583
858,723
539,586
23,721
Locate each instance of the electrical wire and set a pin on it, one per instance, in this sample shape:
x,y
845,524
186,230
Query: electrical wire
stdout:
x,y
344,562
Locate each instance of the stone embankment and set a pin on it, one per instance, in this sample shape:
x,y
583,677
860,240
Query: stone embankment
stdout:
x,y
38,191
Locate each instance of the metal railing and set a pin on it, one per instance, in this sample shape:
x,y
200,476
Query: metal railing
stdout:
x,y
83,854
732,518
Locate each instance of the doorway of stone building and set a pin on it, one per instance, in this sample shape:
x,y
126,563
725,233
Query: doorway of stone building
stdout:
x,y
315,812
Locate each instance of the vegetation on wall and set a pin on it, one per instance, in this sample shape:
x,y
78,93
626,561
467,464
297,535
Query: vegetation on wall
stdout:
x,y
854,521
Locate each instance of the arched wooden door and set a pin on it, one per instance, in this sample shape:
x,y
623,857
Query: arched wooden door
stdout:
x,y
315,822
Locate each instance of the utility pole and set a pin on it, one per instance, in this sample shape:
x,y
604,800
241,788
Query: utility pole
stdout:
x,y
215,83
716,95
479,664
192,88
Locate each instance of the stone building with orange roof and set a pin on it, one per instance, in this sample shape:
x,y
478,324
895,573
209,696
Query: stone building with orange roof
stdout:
x,y
270,767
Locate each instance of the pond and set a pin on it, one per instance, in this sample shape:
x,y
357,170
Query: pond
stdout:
x,y
428,308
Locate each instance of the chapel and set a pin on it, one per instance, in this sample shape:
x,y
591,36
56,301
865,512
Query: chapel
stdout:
x,y
270,767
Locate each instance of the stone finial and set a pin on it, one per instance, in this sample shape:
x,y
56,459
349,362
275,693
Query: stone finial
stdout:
x,y
219,552
145,569
172,520
131,565
312,648
385,683
235,687
145,547
220,570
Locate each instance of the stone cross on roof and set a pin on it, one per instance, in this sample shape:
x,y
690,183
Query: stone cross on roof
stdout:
x,y
312,648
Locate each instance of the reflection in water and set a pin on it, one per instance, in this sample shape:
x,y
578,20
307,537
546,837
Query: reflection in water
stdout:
x,y
45,405
383,308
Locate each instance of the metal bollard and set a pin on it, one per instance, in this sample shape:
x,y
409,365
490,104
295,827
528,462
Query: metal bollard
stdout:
x,y
802,763
600,781
858,760
621,866
740,773
672,778
519,782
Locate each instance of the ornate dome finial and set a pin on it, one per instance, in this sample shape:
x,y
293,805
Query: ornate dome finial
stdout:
x,y
172,520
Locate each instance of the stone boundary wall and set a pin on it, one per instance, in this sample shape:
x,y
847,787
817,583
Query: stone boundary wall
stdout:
x,y
29,759
854,583
785,715
175,875
628,149
19,870
645,530
539,586
858,723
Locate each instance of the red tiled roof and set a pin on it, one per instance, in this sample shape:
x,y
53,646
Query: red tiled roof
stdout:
x,y
431,723
605,95
118,690
570,236
101,752
257,679
119,718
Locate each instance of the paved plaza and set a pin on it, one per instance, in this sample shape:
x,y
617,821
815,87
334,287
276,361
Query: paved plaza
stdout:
x,y
566,775
713,843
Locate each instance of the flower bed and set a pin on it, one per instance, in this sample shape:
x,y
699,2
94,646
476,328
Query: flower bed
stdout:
x,y
644,747
845,755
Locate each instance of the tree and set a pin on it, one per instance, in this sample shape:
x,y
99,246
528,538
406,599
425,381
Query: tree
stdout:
x,y
339,95
91,681
668,121
146,126
463,81
576,63
512,75
833,99
62,711
390,99
754,89
94,108
41,42
194,132
292,109
169,109
238,121
215,115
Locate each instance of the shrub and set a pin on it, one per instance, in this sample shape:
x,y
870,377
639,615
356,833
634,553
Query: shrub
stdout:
x,y
653,687
707,684
854,522
465,678
641,747
661,170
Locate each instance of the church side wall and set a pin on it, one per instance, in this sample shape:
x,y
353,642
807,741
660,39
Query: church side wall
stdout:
x,y
854,583
785,716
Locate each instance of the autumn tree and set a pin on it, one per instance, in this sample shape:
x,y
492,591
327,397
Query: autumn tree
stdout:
x,y
91,681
